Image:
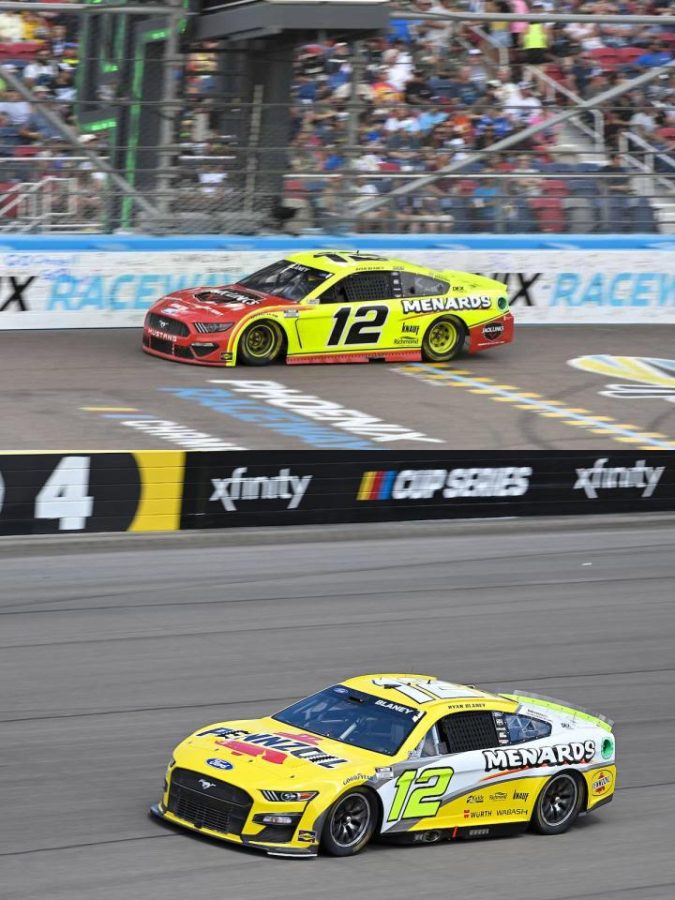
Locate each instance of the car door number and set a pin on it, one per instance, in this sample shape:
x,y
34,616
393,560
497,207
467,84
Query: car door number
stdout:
x,y
418,794
363,330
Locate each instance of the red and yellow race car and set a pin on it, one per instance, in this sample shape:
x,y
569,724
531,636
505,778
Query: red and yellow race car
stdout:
x,y
331,307
407,757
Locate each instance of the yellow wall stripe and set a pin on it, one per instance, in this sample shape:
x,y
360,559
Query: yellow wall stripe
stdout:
x,y
159,506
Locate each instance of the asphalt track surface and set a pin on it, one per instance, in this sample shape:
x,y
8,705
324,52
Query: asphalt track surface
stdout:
x,y
114,649
78,390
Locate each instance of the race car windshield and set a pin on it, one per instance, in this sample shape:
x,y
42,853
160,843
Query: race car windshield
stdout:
x,y
355,718
291,281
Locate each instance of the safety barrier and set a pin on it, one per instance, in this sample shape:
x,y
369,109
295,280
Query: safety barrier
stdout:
x,y
51,493
110,281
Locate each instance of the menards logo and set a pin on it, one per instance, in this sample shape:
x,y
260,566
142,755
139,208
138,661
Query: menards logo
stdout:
x,y
444,304
535,757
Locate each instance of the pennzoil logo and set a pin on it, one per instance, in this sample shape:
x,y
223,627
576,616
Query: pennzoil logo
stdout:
x,y
276,748
601,783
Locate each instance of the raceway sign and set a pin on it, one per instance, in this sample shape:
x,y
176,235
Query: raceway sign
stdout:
x,y
95,289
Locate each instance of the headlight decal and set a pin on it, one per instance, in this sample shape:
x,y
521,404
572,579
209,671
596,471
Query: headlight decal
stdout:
x,y
212,327
289,796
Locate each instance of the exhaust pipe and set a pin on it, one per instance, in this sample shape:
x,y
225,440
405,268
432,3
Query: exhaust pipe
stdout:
x,y
432,837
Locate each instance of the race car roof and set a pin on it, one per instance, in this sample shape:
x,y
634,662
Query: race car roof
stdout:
x,y
345,261
424,691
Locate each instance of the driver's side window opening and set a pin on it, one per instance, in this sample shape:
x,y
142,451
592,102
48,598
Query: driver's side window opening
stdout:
x,y
468,731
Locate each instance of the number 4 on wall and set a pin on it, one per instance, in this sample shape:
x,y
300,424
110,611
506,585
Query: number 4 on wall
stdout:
x,y
64,495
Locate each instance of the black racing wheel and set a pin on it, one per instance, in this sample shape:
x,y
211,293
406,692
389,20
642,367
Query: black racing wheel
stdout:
x,y
350,824
558,804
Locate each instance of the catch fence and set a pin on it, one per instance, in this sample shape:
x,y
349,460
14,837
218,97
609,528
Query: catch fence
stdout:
x,y
356,149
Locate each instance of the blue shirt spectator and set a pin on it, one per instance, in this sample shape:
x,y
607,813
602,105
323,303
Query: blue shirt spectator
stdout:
x,y
657,56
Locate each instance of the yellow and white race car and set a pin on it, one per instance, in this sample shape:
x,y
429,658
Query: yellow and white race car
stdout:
x,y
331,307
405,757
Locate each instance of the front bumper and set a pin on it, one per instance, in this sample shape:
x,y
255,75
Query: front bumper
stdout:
x,y
308,852
192,349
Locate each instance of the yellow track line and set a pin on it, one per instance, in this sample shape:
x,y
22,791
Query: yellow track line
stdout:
x,y
576,417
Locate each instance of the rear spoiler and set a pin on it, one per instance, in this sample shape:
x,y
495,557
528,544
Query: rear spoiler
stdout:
x,y
551,703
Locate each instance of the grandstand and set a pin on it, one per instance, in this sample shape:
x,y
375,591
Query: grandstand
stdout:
x,y
447,125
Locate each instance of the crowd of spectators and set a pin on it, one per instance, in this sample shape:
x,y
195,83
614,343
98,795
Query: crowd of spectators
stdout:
x,y
371,116
434,93
40,49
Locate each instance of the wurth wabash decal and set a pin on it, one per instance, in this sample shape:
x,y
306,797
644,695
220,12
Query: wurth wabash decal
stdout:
x,y
573,753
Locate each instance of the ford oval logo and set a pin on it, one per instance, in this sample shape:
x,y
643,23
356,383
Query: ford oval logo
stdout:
x,y
220,764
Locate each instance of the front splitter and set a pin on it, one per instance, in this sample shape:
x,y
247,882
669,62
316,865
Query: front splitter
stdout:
x,y
271,850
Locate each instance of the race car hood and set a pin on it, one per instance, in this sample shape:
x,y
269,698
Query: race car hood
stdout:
x,y
270,753
227,303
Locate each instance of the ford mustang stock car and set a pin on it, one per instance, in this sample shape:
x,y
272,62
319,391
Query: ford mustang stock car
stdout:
x,y
404,757
331,307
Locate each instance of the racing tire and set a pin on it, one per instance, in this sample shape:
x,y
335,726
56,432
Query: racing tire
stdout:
x,y
558,804
350,824
443,340
261,343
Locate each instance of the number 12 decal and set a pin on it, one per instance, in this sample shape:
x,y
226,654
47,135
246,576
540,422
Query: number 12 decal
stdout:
x,y
368,331
425,797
